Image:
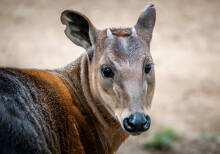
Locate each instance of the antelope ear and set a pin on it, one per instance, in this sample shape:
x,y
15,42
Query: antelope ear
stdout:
x,y
79,29
146,22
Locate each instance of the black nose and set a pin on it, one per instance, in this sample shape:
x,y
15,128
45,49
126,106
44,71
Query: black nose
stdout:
x,y
137,123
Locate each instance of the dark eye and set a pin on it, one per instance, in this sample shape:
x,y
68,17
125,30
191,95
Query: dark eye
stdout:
x,y
107,71
147,68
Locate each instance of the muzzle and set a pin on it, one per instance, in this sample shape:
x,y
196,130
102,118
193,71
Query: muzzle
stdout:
x,y
137,123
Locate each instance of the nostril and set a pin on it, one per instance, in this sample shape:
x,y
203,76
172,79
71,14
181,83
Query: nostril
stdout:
x,y
131,121
147,123
128,125
145,119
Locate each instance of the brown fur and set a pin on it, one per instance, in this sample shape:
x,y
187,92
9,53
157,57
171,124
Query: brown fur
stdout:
x,y
66,109
74,110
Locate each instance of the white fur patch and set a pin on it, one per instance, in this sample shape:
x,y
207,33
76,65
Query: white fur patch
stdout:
x,y
124,42
109,33
133,30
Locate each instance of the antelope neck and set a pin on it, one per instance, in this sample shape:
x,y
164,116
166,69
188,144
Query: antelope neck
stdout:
x,y
106,130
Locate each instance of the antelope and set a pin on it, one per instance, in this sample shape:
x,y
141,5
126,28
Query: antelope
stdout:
x,y
91,105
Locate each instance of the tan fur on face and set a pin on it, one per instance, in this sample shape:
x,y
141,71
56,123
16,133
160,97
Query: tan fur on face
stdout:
x,y
131,90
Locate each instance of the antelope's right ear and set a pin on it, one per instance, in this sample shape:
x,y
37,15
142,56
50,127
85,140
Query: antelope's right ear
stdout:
x,y
146,22
79,28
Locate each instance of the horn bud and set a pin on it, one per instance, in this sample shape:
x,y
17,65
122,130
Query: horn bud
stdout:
x,y
133,31
109,33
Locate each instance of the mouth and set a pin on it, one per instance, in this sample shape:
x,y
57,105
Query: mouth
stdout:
x,y
136,134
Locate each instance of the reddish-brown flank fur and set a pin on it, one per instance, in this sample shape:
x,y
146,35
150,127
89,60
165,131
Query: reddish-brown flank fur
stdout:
x,y
78,135
64,111
76,128
73,127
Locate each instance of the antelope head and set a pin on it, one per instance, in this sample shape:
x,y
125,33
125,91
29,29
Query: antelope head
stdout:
x,y
121,70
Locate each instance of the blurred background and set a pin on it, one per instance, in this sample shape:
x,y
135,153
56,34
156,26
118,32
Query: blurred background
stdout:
x,y
185,47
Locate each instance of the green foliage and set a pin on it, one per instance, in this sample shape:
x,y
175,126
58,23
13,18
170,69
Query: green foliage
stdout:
x,y
162,139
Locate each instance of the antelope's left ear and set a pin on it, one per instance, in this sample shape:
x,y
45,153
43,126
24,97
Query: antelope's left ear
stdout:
x,y
79,28
146,22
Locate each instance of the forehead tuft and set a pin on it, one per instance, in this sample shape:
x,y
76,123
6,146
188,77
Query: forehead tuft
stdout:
x,y
121,32
125,46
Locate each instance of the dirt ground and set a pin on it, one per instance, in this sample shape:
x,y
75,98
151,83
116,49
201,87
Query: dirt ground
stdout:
x,y
185,48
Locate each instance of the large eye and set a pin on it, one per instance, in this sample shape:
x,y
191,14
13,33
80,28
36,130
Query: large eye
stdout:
x,y
147,68
107,71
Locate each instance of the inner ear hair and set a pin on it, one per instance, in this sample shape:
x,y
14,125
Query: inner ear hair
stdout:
x,y
78,28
